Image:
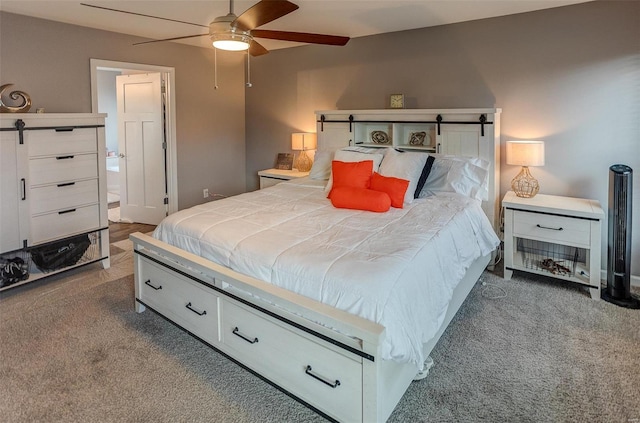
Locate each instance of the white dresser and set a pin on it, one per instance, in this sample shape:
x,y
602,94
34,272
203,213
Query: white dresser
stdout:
x,y
53,190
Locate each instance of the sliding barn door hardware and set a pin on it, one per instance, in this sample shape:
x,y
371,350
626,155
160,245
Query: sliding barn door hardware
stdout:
x,y
482,121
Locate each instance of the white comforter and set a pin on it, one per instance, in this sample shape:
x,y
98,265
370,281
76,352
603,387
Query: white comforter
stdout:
x,y
398,269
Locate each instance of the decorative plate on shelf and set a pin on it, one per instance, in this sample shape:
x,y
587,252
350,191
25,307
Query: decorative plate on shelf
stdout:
x,y
417,138
379,137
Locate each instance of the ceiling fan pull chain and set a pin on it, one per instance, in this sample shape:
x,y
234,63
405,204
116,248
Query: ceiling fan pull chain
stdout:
x,y
248,84
215,68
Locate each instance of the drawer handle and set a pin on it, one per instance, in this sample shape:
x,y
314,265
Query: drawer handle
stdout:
x,y
547,227
23,184
236,332
64,157
321,379
66,211
190,307
64,129
157,288
67,184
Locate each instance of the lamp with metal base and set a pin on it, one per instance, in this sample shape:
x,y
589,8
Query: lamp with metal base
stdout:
x,y
525,154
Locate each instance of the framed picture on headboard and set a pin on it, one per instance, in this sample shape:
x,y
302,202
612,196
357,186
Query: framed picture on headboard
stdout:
x,y
284,161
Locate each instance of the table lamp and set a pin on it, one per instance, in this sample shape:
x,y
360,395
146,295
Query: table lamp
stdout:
x,y
525,154
302,142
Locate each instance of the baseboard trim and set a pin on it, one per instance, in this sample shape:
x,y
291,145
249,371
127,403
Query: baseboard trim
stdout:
x,y
635,280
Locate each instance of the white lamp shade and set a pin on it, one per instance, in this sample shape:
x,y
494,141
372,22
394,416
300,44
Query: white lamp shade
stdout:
x,y
525,153
303,141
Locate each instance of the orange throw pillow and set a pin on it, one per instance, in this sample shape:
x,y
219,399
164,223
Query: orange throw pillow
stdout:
x,y
360,199
351,174
394,187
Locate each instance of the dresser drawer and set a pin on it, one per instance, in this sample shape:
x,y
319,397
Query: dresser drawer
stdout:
x,y
311,371
63,168
49,142
552,228
63,196
180,299
75,220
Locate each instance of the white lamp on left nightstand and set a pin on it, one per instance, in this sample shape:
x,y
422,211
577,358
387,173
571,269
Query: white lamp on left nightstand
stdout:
x,y
302,142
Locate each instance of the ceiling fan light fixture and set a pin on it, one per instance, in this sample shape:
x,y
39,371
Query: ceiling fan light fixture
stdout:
x,y
231,41
225,36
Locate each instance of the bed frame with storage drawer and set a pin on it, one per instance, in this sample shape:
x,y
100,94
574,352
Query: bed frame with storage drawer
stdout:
x,y
326,358
281,336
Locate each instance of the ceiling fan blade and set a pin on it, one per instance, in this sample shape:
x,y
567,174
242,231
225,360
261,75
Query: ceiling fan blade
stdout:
x,y
257,49
263,12
301,37
142,14
169,39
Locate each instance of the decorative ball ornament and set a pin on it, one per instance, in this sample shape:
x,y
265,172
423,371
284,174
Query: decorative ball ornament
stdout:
x,y
15,95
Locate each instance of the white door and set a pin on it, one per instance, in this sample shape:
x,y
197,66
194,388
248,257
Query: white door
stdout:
x,y
141,148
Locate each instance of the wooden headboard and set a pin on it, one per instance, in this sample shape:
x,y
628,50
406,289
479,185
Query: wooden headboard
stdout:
x,y
460,132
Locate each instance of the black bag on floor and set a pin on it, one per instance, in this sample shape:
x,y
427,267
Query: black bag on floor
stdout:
x,y
59,254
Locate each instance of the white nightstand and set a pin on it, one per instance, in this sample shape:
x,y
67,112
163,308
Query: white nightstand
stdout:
x,y
271,177
553,236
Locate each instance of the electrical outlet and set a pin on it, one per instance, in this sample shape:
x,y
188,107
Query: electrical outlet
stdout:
x,y
205,193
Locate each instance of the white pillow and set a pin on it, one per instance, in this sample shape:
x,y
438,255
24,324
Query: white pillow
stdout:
x,y
348,155
321,168
404,165
464,175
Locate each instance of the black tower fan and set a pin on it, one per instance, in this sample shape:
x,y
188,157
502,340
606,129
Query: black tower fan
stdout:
x,y
619,249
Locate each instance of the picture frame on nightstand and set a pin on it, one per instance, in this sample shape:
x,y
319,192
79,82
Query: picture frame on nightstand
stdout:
x,y
284,161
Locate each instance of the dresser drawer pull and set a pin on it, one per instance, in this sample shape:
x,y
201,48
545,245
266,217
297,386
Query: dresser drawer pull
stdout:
x,y
23,183
547,227
64,129
321,379
64,157
190,307
67,184
236,332
148,283
66,211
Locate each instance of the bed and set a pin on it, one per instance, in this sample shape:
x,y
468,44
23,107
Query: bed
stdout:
x,y
338,308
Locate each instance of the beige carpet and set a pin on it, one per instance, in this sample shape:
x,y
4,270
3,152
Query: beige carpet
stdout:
x,y
72,349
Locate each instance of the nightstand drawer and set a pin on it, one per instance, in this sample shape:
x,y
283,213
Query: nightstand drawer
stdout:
x,y
552,228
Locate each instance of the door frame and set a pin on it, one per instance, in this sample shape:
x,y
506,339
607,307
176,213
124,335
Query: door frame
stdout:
x,y
170,122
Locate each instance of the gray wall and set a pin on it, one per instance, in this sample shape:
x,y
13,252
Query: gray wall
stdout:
x,y
50,61
569,76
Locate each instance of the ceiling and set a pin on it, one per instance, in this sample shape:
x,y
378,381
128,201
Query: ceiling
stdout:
x,y
352,18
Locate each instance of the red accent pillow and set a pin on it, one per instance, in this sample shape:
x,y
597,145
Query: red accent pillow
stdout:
x,y
394,187
360,199
351,174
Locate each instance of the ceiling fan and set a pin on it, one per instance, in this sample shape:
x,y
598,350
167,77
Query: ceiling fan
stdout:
x,y
238,33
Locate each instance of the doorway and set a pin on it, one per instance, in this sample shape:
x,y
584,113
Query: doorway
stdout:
x,y
104,99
